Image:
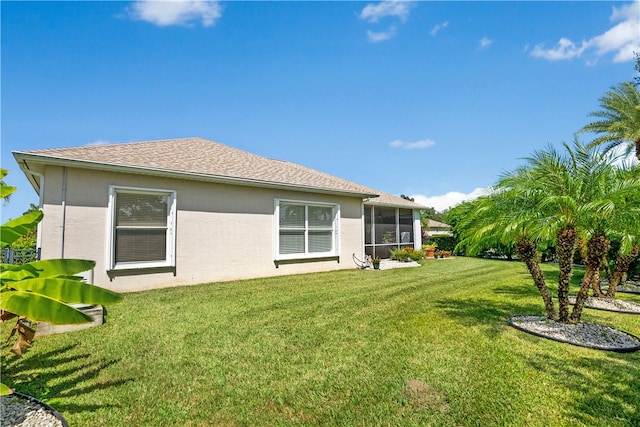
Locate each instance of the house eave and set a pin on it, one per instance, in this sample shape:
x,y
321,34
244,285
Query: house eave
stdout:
x,y
394,205
25,159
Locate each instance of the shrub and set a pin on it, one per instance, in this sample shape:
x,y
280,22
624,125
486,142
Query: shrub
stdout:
x,y
402,254
444,241
416,255
399,254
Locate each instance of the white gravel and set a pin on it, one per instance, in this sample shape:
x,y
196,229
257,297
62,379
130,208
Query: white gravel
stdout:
x,y
610,304
583,334
19,412
628,286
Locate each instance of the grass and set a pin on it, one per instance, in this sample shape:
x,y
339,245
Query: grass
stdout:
x,y
416,346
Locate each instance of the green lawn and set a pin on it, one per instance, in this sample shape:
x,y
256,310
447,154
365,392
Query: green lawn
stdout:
x,y
414,346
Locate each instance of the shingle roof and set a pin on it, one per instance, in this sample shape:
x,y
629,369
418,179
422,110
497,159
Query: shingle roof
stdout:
x,y
438,224
391,200
206,159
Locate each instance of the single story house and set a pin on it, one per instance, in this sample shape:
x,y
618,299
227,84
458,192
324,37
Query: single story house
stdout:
x,y
437,227
187,211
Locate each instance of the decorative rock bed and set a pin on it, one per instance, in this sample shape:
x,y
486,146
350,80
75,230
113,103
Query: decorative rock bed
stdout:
x,y
610,304
626,287
584,334
20,410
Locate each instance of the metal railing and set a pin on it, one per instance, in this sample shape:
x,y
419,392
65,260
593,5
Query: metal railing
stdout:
x,y
20,256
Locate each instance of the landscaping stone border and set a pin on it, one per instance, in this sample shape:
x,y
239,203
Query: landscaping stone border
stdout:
x,y
583,334
19,409
609,304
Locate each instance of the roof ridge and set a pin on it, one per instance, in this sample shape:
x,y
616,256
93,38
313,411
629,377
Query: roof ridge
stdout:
x,y
198,156
91,145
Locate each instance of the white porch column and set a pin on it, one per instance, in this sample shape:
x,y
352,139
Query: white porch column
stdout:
x,y
417,230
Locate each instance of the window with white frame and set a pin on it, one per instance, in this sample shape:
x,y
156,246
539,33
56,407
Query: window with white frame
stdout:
x,y
306,230
142,228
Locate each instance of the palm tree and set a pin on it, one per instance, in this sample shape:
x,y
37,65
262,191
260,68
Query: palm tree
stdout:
x,y
597,247
618,121
548,179
579,193
627,232
622,266
557,198
502,218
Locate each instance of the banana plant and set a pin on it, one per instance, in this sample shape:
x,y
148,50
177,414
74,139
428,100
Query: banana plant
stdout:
x,y
43,291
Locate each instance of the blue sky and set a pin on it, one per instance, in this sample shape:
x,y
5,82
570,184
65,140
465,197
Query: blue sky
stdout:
x,y
429,99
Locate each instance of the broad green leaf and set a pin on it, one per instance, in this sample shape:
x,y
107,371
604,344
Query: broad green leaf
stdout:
x,y
41,308
5,390
69,291
53,268
14,229
11,272
6,190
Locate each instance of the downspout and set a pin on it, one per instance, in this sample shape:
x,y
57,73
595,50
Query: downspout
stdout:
x,y
362,231
40,203
63,204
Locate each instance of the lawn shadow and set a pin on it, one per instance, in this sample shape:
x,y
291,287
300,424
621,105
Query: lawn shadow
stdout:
x,y
492,315
518,290
528,288
608,391
57,374
14,363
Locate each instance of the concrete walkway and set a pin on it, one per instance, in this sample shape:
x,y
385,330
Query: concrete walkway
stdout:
x,y
388,264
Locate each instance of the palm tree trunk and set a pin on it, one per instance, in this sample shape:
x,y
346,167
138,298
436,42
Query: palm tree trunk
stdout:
x,y
528,253
622,266
566,241
597,247
595,285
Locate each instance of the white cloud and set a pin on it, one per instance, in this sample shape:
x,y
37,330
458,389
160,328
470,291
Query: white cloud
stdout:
x,y
565,49
423,143
373,12
375,37
449,200
176,12
625,155
622,39
485,43
436,29
628,11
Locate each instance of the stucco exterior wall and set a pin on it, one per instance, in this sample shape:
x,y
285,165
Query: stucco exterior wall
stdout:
x,y
223,232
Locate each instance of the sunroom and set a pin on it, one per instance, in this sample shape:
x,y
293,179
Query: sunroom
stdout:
x,y
388,227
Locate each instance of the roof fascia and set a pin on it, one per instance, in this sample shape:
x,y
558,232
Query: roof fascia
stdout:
x,y
30,174
22,158
392,205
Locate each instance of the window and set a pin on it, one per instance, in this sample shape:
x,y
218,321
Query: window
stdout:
x,y
306,230
142,228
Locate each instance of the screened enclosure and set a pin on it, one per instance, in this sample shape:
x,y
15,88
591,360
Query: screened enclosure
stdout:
x,y
386,228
